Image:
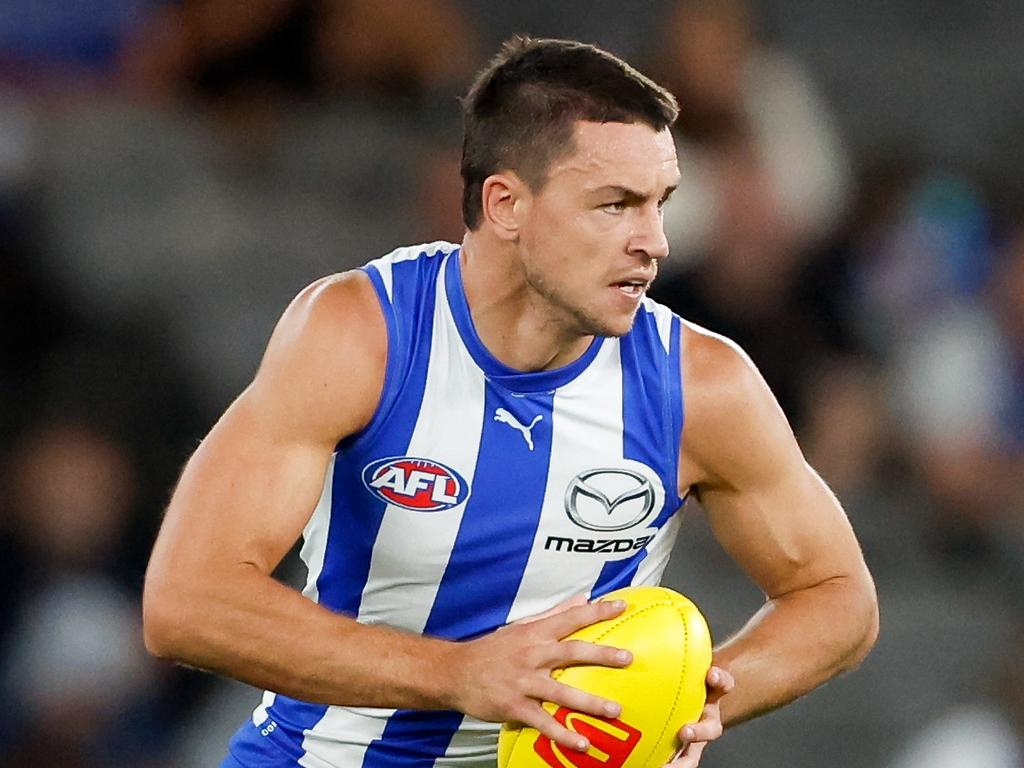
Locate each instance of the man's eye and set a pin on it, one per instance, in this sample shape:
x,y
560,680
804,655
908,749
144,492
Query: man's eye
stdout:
x,y
617,207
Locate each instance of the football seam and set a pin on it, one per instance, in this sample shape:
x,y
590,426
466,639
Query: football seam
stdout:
x,y
679,681
618,623
686,640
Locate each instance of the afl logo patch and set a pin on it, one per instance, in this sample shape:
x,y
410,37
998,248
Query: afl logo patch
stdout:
x,y
421,485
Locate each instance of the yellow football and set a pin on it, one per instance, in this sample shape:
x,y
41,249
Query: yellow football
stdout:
x,y
660,691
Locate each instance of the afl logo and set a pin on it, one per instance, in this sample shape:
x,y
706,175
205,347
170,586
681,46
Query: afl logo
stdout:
x,y
609,499
412,483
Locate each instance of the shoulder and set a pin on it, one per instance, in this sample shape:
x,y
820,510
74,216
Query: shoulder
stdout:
x,y
337,311
716,370
732,418
324,365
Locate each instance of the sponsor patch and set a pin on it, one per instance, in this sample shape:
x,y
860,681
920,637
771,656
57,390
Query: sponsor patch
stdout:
x,y
612,740
421,485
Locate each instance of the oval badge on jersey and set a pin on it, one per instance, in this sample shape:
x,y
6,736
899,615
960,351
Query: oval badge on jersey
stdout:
x,y
422,485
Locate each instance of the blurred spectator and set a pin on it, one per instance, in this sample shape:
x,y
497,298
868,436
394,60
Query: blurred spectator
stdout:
x,y
737,94
404,49
78,678
1008,304
752,284
63,44
75,644
920,298
930,250
437,206
763,182
381,51
72,490
846,435
986,732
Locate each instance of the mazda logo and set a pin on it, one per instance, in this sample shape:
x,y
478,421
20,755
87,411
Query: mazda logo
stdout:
x,y
609,499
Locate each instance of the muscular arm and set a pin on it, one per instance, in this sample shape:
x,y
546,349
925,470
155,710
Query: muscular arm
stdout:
x,y
243,500
782,525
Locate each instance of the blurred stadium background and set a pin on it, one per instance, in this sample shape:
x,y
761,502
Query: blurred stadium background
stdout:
x,y
173,171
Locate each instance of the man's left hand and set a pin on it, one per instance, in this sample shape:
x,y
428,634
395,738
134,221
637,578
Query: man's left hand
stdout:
x,y
696,736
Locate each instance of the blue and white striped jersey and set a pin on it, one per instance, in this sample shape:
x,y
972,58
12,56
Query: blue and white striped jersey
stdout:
x,y
478,495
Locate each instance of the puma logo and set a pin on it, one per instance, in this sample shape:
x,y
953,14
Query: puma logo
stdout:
x,y
507,418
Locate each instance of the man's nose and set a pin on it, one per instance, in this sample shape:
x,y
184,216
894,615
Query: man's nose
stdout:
x,y
649,236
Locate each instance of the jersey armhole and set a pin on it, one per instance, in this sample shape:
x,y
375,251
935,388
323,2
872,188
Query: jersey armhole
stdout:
x,y
392,379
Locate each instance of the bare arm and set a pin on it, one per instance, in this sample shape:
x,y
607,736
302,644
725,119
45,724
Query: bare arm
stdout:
x,y
782,524
243,500
245,496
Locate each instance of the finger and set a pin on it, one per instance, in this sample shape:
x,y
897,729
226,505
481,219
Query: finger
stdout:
x,y
565,623
708,728
539,718
574,652
572,602
562,654
719,682
688,756
576,699
570,653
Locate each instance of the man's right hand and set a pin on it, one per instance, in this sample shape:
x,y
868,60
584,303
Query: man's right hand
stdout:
x,y
504,676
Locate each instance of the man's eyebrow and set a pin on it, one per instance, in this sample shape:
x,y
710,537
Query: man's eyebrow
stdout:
x,y
630,195
633,195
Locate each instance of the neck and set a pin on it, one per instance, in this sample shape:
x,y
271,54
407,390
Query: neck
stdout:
x,y
516,324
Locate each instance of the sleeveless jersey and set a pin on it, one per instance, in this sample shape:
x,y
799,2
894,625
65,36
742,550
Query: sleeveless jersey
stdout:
x,y
478,495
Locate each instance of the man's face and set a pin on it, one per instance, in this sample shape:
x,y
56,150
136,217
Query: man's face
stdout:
x,y
592,237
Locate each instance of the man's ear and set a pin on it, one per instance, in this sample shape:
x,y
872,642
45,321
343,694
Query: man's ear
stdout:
x,y
505,198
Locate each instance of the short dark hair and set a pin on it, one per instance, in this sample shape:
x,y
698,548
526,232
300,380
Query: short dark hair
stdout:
x,y
520,111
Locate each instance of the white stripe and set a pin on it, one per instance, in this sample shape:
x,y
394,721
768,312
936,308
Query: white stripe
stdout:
x,y
342,736
396,592
314,536
403,579
473,746
408,253
586,433
310,760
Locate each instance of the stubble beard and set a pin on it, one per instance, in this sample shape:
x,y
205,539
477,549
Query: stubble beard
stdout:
x,y
580,321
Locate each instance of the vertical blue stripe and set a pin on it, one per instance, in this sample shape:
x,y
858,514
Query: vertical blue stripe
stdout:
x,y
281,747
487,563
413,739
356,515
392,377
500,522
652,425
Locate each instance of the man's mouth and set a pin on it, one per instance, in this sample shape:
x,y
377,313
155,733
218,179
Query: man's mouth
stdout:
x,y
632,288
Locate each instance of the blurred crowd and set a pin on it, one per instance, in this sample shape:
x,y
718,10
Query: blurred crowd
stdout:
x,y
173,171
